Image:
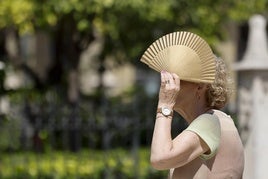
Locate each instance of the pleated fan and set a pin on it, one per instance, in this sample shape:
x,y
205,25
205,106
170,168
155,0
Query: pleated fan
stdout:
x,y
183,53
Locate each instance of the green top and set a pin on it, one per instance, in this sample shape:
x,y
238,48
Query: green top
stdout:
x,y
207,127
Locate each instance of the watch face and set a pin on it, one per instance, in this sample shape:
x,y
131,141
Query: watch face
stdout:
x,y
166,111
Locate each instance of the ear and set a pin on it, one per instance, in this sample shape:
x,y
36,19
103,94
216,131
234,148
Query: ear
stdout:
x,y
201,87
200,90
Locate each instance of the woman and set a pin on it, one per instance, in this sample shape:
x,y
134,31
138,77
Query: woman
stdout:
x,y
210,147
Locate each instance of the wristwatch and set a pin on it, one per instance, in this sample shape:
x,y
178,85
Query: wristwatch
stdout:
x,y
165,111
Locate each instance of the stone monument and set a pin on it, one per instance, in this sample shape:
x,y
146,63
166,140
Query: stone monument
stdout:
x,y
252,90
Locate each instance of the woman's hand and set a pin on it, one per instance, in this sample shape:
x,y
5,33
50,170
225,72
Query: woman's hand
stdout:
x,y
170,86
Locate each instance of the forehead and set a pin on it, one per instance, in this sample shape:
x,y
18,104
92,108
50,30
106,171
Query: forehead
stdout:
x,y
189,87
187,83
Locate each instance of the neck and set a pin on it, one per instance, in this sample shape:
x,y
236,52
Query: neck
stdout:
x,y
190,112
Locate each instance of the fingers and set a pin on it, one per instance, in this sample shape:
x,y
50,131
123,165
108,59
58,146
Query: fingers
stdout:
x,y
170,86
164,78
176,79
169,79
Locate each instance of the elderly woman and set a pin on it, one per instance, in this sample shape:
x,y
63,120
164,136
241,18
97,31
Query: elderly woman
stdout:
x,y
210,147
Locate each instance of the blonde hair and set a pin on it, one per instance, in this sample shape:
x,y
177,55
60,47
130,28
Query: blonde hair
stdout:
x,y
219,91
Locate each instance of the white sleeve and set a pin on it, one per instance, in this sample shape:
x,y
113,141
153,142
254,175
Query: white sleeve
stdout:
x,y
207,127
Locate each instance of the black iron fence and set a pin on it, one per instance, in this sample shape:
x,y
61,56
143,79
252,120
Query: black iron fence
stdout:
x,y
97,138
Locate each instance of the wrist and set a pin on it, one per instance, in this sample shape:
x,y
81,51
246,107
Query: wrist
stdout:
x,y
165,111
161,116
166,104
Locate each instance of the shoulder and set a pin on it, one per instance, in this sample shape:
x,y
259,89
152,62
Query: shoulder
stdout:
x,y
226,120
221,114
207,127
206,122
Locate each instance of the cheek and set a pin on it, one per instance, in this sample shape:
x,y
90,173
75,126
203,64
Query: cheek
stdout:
x,y
185,95
180,97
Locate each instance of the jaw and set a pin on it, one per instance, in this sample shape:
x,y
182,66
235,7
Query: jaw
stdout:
x,y
181,111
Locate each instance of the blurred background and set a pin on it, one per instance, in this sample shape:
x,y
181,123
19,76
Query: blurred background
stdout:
x,y
75,100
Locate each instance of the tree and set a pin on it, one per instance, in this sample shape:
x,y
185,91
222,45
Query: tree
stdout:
x,y
126,28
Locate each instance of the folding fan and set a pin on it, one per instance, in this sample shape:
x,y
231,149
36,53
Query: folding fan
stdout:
x,y
183,53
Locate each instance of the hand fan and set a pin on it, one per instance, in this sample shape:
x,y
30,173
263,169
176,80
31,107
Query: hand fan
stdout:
x,y
183,53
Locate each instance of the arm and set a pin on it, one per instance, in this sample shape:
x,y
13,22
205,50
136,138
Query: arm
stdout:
x,y
165,152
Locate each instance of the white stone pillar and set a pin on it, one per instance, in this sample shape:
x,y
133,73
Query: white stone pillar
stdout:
x,y
253,100
260,129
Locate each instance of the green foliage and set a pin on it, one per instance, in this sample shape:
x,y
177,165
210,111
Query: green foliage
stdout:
x,y
130,25
243,9
9,140
93,164
17,13
126,26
